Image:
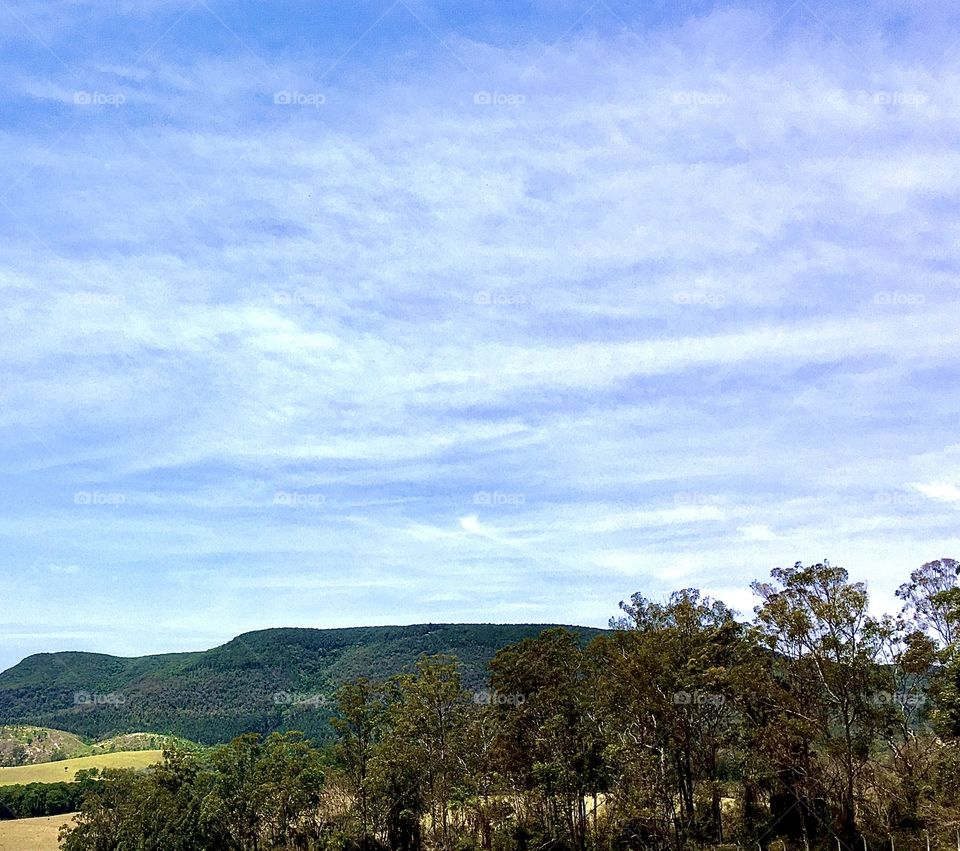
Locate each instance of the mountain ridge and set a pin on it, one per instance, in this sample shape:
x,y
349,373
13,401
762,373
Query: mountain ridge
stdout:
x,y
263,680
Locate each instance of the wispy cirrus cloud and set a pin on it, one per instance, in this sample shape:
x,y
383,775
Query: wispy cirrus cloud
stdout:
x,y
557,308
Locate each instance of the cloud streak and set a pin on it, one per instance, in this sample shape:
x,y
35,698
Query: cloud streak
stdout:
x,y
554,310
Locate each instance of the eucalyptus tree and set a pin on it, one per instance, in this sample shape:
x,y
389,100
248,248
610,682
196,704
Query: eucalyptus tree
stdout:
x,y
550,746
671,666
818,623
931,600
358,726
418,761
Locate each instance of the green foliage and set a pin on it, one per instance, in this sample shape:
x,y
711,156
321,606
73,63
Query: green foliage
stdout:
x,y
34,800
668,689
248,795
813,726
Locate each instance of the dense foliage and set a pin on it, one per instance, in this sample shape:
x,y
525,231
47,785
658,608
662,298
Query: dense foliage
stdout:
x,y
33,800
815,726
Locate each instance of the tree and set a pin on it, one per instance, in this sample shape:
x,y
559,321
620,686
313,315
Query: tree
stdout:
x,y
931,600
155,811
359,727
230,809
479,780
429,716
900,774
549,744
818,622
668,675
289,782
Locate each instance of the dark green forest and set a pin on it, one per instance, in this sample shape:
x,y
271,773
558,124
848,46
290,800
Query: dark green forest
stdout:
x,y
815,725
267,681
35,800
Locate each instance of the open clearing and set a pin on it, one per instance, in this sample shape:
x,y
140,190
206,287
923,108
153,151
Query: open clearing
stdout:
x,y
31,834
52,772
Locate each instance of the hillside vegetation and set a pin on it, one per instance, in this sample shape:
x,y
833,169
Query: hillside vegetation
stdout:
x,y
25,745
28,745
271,680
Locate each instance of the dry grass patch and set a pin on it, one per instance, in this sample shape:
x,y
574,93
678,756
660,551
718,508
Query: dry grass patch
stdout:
x,y
32,834
65,770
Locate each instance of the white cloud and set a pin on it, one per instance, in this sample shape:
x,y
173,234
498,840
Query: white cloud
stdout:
x,y
940,492
757,532
472,525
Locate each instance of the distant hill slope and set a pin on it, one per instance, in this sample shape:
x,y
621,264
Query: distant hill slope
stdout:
x,y
22,744
25,745
262,681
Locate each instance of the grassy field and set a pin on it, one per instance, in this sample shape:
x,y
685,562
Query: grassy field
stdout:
x,y
31,834
51,772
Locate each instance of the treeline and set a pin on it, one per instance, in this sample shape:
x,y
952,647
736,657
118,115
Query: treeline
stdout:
x,y
33,800
816,725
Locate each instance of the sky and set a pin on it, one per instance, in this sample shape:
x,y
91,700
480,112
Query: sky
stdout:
x,y
399,311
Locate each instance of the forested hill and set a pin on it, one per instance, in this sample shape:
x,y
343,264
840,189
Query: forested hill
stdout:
x,y
273,679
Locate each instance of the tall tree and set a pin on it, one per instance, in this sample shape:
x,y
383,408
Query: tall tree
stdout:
x,y
419,758
549,743
359,725
818,622
672,664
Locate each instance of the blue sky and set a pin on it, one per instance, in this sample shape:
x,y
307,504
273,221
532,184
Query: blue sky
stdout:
x,y
333,313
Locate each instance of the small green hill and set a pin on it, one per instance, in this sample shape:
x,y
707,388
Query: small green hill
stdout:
x,y
128,742
22,745
27,745
274,679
